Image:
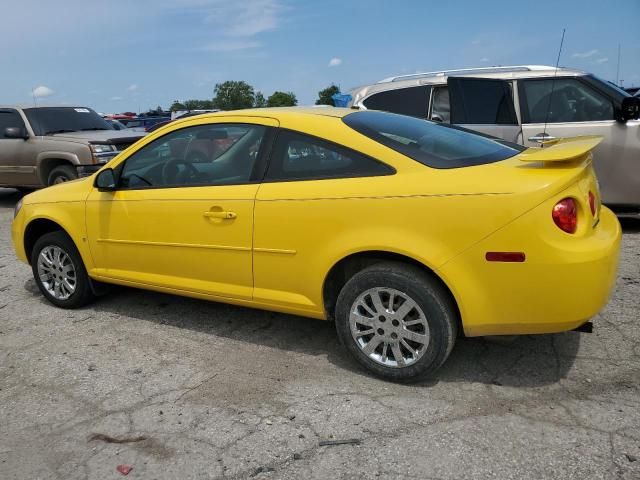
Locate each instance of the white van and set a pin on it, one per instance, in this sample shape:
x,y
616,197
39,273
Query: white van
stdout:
x,y
527,105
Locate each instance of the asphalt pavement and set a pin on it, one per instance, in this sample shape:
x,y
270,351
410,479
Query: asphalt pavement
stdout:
x,y
185,389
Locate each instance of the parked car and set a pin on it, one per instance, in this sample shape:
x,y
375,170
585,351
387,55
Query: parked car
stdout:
x,y
153,128
116,124
41,146
143,123
527,105
404,232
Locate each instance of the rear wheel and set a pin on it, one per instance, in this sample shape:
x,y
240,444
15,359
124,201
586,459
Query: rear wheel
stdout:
x,y
61,174
59,271
396,321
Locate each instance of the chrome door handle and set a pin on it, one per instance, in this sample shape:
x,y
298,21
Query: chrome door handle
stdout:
x,y
539,138
221,215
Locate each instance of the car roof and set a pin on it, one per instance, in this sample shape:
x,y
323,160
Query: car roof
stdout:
x,y
440,77
26,106
279,112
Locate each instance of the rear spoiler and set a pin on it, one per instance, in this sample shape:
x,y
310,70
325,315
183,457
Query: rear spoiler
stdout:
x,y
561,149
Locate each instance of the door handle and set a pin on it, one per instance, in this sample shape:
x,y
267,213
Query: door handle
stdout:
x,y
221,215
541,137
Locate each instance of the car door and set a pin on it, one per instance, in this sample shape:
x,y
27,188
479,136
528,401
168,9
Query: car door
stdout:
x,y
485,105
14,170
304,197
571,106
182,214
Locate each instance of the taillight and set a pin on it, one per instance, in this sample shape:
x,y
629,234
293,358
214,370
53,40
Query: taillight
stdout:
x,y
592,203
565,215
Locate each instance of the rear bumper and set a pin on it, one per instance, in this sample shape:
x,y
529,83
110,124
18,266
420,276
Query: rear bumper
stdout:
x,y
563,282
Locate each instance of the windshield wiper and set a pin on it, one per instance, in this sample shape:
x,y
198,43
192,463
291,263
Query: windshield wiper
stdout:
x,y
62,130
93,128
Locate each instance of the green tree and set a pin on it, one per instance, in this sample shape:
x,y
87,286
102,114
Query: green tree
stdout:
x,y
176,105
282,99
259,100
233,95
324,96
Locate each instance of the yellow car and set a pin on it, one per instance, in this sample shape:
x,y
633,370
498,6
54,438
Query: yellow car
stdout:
x,y
404,232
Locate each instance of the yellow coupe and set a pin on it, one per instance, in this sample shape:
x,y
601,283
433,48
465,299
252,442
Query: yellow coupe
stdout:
x,y
404,232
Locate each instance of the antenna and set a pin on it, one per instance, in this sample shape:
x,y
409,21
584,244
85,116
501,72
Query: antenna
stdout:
x,y
618,68
33,94
553,84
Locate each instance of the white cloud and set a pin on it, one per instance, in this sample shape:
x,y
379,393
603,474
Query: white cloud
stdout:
x,y
115,99
42,91
588,54
334,62
484,60
230,46
602,60
132,88
244,18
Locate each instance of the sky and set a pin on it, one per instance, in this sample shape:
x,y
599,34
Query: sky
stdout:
x,y
119,55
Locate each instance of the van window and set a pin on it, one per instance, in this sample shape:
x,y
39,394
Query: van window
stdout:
x,y
412,101
570,101
481,101
440,109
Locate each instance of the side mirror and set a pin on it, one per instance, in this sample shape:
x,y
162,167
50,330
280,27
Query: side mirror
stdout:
x,y
106,181
15,132
630,109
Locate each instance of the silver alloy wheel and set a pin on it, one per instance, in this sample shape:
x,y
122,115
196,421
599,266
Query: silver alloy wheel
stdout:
x,y
56,272
59,179
389,327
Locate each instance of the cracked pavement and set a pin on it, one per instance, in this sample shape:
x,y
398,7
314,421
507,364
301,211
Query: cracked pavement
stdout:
x,y
201,390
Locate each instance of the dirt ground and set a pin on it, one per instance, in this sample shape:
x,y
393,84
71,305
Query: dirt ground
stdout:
x,y
200,390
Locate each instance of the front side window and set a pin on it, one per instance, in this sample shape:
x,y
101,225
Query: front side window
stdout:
x,y
564,100
433,144
9,118
220,154
412,101
297,156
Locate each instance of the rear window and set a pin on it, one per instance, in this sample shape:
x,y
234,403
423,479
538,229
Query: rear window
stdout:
x,y
433,144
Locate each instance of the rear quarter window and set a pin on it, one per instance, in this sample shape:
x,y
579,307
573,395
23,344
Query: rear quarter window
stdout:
x,y
433,144
413,101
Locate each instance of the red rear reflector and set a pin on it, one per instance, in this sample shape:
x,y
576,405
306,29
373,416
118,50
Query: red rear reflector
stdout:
x,y
505,256
565,215
592,203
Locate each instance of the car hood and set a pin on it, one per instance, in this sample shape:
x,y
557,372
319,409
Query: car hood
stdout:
x,y
73,191
101,135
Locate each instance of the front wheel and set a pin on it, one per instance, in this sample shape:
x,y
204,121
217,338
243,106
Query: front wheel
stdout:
x,y
396,321
61,174
59,271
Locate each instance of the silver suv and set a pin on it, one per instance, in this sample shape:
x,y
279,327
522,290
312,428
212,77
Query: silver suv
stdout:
x,y
527,105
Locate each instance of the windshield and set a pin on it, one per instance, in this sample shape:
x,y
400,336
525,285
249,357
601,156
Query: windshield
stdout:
x,y
50,120
433,144
610,87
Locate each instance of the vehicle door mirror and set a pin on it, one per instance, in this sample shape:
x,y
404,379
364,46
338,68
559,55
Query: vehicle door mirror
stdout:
x,y
106,181
15,132
630,109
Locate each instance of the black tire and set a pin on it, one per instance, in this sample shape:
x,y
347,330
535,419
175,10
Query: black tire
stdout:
x,y
62,173
431,297
83,293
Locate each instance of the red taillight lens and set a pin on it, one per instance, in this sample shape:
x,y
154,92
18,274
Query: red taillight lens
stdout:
x,y
565,215
592,203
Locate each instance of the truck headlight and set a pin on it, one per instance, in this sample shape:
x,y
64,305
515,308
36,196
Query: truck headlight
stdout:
x,y
102,148
17,208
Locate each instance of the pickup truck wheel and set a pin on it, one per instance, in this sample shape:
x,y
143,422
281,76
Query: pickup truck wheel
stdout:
x,y
62,173
396,321
59,271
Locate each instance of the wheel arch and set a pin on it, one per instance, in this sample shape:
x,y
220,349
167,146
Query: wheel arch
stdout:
x,y
48,161
346,267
